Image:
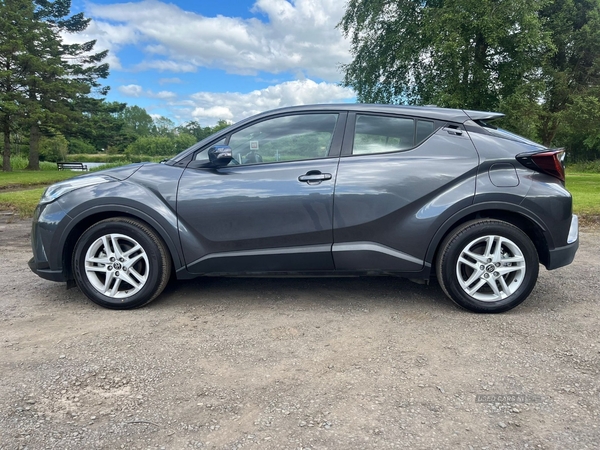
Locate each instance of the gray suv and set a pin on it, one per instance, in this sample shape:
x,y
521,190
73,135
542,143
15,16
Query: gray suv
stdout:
x,y
320,190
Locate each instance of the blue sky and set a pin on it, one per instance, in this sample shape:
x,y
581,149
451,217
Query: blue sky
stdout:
x,y
209,60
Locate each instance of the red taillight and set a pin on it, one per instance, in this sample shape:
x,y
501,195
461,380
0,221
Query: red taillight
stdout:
x,y
549,162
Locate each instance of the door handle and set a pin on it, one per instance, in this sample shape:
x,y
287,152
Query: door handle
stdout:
x,y
314,177
454,131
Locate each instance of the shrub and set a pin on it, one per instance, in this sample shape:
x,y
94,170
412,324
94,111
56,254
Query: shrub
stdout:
x,y
53,148
79,146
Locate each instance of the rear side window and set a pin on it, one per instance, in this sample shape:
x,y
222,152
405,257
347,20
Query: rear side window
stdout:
x,y
381,134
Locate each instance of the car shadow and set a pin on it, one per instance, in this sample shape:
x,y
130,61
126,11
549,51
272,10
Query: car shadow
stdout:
x,y
372,292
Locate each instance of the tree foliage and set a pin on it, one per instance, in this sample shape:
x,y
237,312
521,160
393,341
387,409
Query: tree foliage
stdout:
x,y
44,82
537,61
136,121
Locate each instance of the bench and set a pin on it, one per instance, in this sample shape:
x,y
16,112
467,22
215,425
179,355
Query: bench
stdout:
x,y
71,166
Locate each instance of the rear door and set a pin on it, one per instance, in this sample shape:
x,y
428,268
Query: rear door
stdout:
x,y
270,210
399,179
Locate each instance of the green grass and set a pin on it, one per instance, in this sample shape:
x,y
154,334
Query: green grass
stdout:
x,y
20,163
23,202
585,188
26,178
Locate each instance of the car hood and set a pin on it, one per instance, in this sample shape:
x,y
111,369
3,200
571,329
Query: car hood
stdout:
x,y
121,173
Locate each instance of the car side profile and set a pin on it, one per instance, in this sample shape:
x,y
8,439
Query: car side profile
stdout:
x,y
321,190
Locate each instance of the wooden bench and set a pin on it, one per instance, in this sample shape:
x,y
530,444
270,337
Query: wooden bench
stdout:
x,y
71,166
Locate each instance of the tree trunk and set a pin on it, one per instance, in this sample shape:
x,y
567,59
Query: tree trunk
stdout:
x,y
34,147
6,154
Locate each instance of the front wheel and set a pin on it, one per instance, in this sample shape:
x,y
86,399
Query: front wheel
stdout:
x,y
120,263
487,266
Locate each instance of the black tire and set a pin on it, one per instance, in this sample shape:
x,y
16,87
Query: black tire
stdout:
x,y
105,276
487,253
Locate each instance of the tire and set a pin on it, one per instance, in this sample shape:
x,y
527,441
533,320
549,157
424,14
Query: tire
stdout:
x,y
487,266
133,272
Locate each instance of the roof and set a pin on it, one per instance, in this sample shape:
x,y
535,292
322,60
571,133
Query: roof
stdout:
x,y
432,112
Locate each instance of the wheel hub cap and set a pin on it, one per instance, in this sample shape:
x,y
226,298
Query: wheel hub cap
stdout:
x,y
491,268
117,266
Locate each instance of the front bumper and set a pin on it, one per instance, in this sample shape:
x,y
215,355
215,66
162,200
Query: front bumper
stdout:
x,y
47,225
45,272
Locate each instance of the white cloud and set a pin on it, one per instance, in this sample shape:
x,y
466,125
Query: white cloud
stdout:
x,y
169,81
131,90
161,65
208,107
165,95
135,90
298,37
107,36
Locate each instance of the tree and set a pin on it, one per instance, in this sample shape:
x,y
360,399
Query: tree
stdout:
x,y
54,148
571,98
537,61
454,53
62,75
163,126
194,128
137,121
16,28
102,124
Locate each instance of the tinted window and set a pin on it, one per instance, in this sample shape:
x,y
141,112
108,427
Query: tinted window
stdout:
x,y
378,134
289,138
424,129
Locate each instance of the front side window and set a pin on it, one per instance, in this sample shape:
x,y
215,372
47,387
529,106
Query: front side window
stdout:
x,y
287,138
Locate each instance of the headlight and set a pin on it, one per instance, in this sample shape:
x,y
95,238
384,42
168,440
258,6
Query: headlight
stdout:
x,y
59,189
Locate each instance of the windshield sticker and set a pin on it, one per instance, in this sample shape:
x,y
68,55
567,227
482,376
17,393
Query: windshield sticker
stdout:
x,y
253,145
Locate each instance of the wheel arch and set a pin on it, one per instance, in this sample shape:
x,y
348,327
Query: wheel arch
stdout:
x,y
93,215
510,213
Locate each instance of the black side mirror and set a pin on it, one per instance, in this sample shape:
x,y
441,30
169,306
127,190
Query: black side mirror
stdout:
x,y
220,155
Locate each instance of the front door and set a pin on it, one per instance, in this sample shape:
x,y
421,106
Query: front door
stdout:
x,y
269,210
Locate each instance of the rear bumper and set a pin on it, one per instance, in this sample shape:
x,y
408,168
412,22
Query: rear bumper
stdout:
x,y
44,272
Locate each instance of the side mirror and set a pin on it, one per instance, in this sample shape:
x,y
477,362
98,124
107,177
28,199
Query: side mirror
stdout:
x,y
220,155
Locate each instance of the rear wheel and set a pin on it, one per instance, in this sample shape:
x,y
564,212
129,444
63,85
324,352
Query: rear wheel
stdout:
x,y
120,263
487,266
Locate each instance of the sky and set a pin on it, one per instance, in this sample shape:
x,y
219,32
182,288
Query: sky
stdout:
x,y
207,60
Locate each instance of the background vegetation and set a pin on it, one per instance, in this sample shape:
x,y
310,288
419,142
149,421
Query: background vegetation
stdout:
x,y
538,61
52,102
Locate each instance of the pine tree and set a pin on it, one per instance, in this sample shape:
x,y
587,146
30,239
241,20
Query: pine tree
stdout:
x,y
65,75
17,27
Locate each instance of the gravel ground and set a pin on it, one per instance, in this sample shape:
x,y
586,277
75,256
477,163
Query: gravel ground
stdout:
x,y
347,363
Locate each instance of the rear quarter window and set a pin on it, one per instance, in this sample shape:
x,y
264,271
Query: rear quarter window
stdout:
x,y
382,134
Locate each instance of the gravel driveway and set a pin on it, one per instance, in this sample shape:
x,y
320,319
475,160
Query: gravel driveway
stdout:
x,y
346,363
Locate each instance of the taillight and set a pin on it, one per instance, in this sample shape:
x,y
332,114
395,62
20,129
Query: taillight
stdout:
x,y
549,162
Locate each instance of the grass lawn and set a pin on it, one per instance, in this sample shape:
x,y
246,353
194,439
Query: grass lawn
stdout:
x,y
585,188
28,178
23,202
